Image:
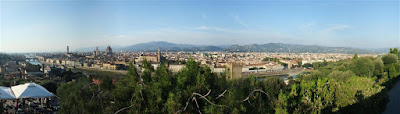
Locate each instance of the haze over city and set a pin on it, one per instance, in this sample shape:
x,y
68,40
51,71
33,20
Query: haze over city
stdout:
x,y
49,26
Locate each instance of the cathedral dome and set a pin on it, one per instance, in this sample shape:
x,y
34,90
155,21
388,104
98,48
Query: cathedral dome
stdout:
x,y
108,50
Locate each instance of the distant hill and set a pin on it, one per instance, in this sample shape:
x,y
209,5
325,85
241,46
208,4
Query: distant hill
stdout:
x,y
382,50
153,46
270,47
293,48
101,48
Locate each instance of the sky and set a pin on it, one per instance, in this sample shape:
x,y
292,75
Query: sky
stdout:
x,y
51,25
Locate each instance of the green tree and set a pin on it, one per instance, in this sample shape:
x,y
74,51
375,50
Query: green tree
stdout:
x,y
273,86
314,96
31,67
362,67
189,80
307,65
392,72
389,59
394,51
379,67
69,75
397,67
317,65
355,56
341,75
82,96
148,69
127,90
50,86
346,94
162,84
281,104
173,105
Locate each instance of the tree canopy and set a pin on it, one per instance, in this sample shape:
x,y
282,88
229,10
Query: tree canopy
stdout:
x,y
390,59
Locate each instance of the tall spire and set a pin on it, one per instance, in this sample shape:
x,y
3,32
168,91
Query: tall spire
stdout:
x,y
67,49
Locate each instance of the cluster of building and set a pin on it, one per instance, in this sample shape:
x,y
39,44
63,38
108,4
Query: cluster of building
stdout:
x,y
20,68
218,62
97,60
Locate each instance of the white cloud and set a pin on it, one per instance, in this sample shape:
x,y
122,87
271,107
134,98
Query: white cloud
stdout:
x,y
335,27
203,27
206,28
122,36
240,21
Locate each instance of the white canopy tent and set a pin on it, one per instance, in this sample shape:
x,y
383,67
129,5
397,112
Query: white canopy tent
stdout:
x,y
30,90
6,93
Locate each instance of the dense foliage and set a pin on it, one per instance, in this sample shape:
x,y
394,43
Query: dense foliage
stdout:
x,y
358,85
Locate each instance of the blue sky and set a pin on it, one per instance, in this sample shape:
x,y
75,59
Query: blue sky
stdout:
x,y
51,25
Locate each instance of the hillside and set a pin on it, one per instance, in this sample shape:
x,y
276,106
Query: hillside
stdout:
x,y
293,48
270,47
153,46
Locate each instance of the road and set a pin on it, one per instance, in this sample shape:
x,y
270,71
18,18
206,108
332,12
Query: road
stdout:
x,y
393,107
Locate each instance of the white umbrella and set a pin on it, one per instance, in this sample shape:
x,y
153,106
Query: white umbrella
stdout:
x,y
6,93
30,90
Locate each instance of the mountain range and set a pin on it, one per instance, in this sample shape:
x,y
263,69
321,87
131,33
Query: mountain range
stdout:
x,y
269,47
153,46
294,48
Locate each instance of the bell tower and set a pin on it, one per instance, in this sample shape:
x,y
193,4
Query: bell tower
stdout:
x,y
67,49
159,54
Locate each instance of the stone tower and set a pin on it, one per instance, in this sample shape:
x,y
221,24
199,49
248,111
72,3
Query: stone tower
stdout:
x,y
234,70
67,49
159,54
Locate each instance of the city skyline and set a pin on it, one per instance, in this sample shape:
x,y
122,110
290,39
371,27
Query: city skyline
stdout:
x,y
49,26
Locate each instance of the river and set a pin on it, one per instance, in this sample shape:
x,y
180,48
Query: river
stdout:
x,y
34,62
393,107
